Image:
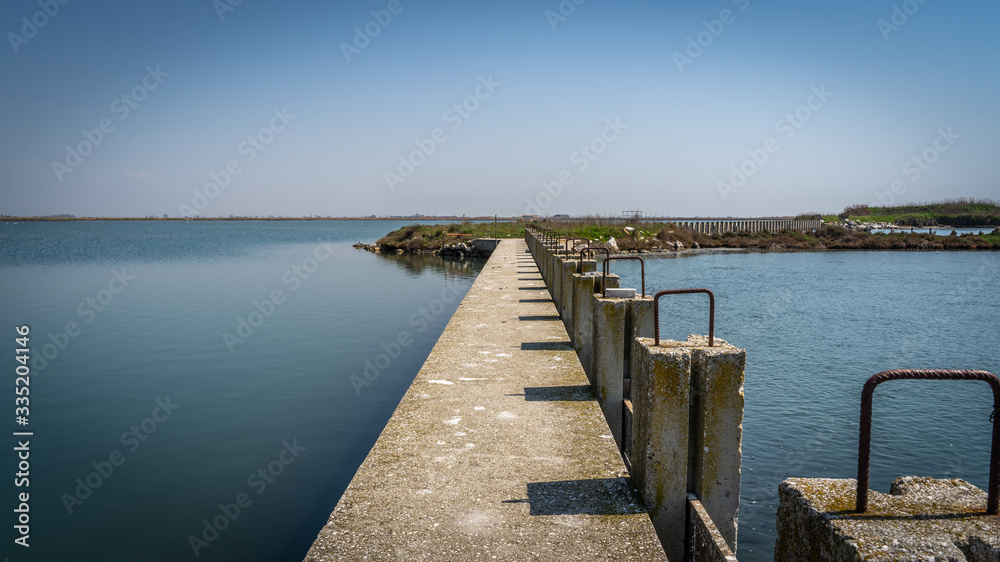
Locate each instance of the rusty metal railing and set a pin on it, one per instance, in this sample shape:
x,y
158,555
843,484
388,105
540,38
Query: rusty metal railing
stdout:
x,y
711,311
606,269
574,239
607,252
865,433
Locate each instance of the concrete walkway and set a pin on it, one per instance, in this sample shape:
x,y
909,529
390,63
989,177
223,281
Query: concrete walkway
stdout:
x,y
498,451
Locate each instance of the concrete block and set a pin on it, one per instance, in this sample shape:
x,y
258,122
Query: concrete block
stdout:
x,y
661,389
553,267
688,418
717,375
919,519
486,245
704,541
582,333
555,282
566,293
612,281
609,321
638,324
620,293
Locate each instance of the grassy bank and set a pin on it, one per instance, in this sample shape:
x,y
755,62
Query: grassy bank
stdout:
x,y
426,238
659,237
956,212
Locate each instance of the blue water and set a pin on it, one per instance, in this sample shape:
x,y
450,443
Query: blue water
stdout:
x,y
285,387
815,327
938,231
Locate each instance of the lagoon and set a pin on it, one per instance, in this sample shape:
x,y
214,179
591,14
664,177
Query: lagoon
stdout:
x,y
815,326
281,402
276,424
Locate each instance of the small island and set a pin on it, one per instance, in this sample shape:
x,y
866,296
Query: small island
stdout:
x,y
860,227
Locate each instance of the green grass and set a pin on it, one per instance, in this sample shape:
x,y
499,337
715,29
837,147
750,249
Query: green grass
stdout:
x,y
952,212
423,236
658,236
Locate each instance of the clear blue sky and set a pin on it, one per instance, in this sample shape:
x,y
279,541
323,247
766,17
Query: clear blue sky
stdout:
x,y
666,98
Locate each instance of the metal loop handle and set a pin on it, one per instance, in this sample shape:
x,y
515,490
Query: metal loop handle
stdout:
x,y
607,268
711,311
865,432
574,239
589,249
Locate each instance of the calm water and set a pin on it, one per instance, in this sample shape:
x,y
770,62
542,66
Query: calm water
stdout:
x,y
161,337
940,231
815,327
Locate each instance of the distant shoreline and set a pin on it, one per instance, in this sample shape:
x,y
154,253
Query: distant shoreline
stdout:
x,y
162,219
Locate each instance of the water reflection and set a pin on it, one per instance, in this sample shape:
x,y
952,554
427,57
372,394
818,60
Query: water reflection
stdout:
x,y
415,265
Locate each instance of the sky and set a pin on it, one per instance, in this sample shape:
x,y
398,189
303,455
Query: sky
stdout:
x,y
401,107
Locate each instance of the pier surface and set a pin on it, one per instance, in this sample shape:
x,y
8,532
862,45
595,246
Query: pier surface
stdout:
x,y
498,450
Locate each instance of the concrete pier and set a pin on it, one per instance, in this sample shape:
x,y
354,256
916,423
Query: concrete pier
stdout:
x,y
675,409
498,450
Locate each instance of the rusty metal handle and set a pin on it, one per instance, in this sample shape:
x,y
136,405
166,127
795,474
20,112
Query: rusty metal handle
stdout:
x,y
865,432
588,249
607,267
574,239
711,311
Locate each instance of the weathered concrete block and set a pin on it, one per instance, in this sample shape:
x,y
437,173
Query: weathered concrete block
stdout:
x,y
661,389
617,322
554,269
620,293
639,324
566,293
555,283
583,294
609,322
704,541
919,519
717,375
486,245
612,281
687,431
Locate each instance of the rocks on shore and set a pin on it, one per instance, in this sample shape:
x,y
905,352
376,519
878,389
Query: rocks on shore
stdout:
x,y
460,250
